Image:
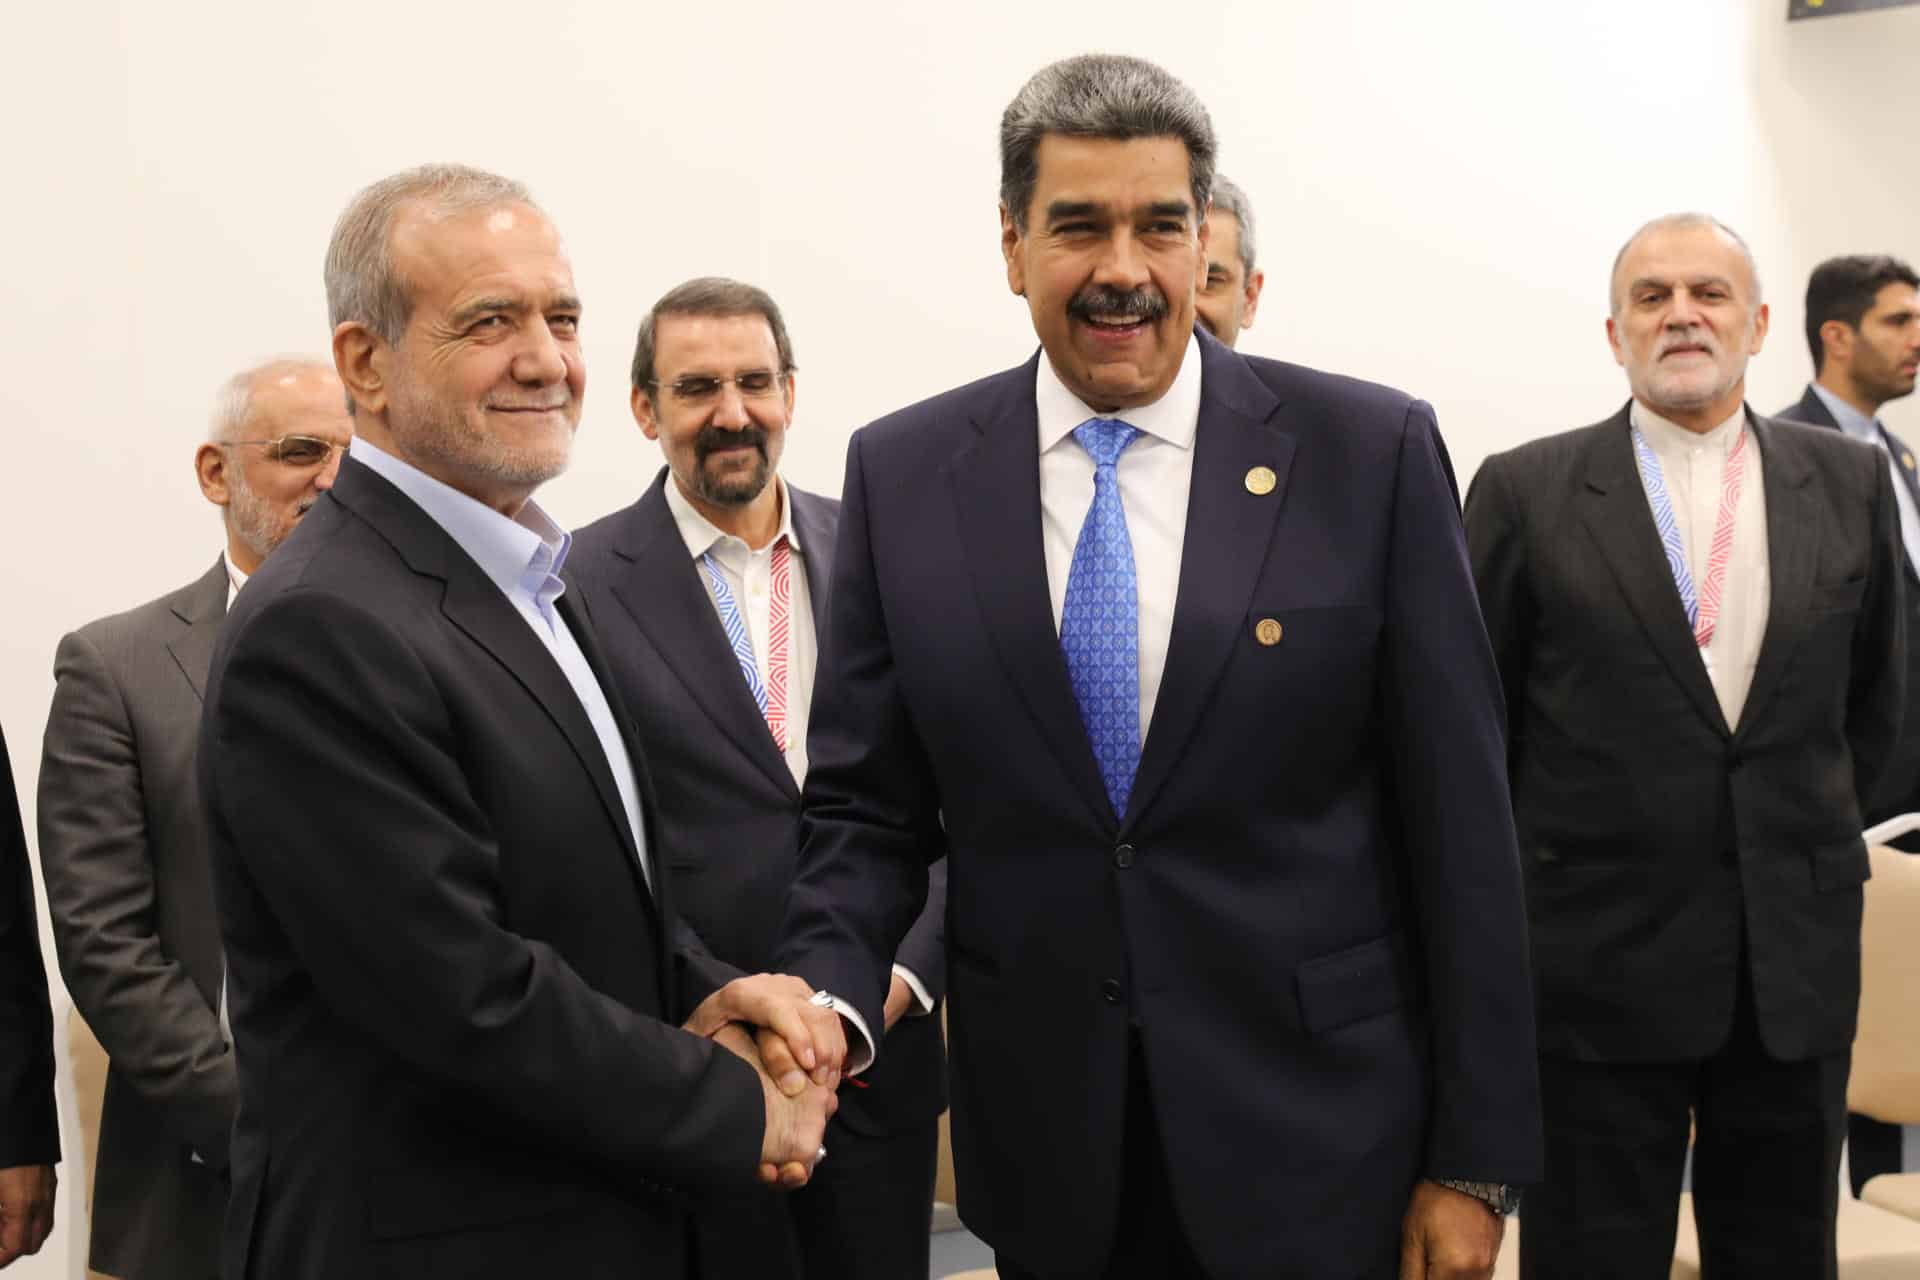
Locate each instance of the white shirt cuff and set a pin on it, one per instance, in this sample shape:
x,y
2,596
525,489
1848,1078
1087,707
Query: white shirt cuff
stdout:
x,y
859,1049
919,990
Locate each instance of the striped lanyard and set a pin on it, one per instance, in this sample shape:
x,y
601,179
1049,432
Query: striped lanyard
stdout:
x,y
769,695
1703,610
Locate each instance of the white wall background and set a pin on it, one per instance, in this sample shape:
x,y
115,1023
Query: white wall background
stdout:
x,y
1440,190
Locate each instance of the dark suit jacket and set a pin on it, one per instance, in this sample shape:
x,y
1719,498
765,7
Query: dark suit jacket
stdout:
x,y
124,853
729,808
1311,910
1899,788
452,993
29,1123
1654,839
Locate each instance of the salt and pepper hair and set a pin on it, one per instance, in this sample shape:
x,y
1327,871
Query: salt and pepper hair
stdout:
x,y
708,296
1229,198
1100,95
1675,222
362,283
233,402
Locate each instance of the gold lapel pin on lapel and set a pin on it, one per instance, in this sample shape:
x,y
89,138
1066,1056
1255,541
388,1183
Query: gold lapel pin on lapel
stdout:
x,y
1267,631
1260,481
1908,459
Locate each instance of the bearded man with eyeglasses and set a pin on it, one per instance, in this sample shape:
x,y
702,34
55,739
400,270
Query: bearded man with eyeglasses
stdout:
x,y
706,593
123,842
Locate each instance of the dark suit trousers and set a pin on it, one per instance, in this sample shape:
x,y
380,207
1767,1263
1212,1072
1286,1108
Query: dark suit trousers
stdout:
x,y
1149,1242
866,1215
1766,1163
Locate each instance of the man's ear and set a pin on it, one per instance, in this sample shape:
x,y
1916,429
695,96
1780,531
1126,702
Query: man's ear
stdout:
x,y
363,362
210,464
1837,337
1613,340
1010,246
1255,284
642,405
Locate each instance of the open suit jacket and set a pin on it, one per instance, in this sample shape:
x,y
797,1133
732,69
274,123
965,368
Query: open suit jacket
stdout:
x,y
29,1123
1311,909
1899,788
1654,837
124,852
729,807
453,993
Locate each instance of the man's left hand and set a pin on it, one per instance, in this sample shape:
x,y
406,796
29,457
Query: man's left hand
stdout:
x,y
26,1210
796,1035
1448,1235
900,998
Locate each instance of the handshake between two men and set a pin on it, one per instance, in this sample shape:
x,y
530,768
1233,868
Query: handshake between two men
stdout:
x,y
797,1046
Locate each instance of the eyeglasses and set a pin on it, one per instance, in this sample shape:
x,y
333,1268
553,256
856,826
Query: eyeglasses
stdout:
x,y
754,384
297,451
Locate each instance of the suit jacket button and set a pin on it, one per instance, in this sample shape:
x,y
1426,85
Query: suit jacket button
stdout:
x,y
1123,856
1267,631
1110,991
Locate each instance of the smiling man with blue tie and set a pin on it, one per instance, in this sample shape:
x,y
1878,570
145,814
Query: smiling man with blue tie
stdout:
x,y
1175,654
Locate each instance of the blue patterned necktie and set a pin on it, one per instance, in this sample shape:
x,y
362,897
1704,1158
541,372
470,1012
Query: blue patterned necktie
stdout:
x,y
1100,622
736,628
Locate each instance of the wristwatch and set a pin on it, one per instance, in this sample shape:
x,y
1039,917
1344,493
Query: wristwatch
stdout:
x,y
1497,1196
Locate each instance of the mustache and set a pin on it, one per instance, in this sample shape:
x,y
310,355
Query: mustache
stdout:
x,y
1688,338
1146,302
712,439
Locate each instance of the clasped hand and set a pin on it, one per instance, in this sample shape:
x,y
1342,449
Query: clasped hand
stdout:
x,y
797,1048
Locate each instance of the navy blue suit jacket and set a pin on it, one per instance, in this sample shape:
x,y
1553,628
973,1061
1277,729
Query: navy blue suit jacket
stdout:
x,y
1311,911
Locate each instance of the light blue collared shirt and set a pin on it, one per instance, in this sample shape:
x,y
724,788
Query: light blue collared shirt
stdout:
x,y
522,557
1868,430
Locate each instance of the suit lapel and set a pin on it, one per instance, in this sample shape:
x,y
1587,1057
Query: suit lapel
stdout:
x,y
201,607
1229,531
1621,524
576,615
472,603
996,495
659,587
816,529
1793,538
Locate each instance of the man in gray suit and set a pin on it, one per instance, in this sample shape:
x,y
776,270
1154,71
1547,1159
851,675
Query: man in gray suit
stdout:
x,y
123,846
707,594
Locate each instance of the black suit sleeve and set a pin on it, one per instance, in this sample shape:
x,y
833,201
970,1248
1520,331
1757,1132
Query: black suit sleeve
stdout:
x,y
1876,696
870,824
1443,702
332,767
924,949
157,1027
1496,548
29,1123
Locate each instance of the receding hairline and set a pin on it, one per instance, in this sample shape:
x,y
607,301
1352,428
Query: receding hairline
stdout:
x,y
233,401
1682,222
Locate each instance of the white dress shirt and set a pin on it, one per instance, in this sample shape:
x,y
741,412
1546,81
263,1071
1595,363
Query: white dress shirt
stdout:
x,y
749,576
1156,476
1858,425
1692,464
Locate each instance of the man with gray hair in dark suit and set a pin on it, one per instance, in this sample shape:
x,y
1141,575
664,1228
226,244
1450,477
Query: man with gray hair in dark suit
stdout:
x,y
123,846
1230,298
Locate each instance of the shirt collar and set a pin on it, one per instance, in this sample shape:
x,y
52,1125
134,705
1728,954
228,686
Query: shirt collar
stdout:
x,y
701,534
1664,434
1174,417
1851,420
236,577
522,556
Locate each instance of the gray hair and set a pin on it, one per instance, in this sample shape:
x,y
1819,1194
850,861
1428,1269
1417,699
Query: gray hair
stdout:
x,y
1678,221
709,296
233,402
1100,95
1229,198
362,284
